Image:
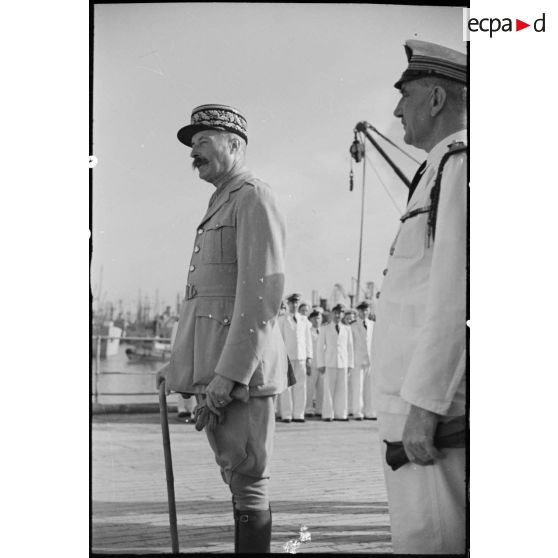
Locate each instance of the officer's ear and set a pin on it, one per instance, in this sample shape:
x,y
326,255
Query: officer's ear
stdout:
x,y
234,144
438,97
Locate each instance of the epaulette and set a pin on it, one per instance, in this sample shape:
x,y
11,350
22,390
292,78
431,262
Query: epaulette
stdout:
x,y
454,148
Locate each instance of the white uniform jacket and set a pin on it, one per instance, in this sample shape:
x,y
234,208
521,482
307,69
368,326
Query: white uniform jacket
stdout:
x,y
315,334
228,320
335,350
419,340
362,341
296,335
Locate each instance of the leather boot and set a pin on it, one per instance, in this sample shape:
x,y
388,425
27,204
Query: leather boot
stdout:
x,y
252,531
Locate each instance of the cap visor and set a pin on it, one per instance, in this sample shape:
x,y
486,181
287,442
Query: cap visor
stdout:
x,y
186,134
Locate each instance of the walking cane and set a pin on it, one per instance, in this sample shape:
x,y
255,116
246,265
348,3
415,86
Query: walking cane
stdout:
x,y
168,466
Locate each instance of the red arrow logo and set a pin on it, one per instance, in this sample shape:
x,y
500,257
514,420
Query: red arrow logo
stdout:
x,y
519,25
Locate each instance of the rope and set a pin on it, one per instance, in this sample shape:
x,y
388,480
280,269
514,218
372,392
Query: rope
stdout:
x,y
399,210
361,219
394,144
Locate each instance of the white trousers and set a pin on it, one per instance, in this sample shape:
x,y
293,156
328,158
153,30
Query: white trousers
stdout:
x,y
335,393
185,405
426,503
293,400
369,395
355,383
314,392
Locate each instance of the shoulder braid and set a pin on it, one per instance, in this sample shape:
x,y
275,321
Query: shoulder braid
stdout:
x,y
455,148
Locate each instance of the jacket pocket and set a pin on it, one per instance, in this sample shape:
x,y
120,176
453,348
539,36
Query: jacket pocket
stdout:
x,y
219,243
411,238
211,330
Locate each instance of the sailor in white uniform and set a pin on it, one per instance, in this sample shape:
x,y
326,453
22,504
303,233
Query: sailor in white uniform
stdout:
x,y
361,385
335,359
295,329
314,380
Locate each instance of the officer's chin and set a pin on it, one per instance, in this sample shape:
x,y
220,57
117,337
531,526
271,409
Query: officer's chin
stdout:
x,y
203,172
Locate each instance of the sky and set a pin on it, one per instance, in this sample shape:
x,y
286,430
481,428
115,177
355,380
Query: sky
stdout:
x,y
303,75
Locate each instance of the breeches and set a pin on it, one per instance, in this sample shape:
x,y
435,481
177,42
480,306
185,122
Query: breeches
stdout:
x,y
243,445
426,503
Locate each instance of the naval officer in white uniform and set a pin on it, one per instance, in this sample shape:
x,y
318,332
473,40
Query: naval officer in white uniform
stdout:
x,y
419,342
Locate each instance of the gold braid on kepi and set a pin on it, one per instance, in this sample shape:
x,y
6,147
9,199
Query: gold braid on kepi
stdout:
x,y
214,117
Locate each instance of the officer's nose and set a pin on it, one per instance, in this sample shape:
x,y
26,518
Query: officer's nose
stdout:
x,y
397,112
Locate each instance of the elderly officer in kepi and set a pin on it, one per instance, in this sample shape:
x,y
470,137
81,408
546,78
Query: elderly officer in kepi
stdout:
x,y
228,350
419,341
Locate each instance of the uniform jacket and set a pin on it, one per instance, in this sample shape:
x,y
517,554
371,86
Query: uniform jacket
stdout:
x,y
419,340
314,333
362,341
335,350
228,321
296,335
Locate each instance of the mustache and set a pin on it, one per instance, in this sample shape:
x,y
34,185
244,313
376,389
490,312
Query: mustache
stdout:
x,y
198,161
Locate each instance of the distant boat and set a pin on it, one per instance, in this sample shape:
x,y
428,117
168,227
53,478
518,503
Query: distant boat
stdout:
x,y
150,351
109,347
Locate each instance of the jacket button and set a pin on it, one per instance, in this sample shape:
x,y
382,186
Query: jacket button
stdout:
x,y
385,271
200,231
196,249
251,331
378,294
392,250
226,321
192,267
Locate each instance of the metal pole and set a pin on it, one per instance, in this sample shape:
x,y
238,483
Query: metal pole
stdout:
x,y
362,127
168,466
357,294
97,367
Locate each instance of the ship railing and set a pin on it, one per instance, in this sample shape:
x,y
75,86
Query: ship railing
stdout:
x,y
97,340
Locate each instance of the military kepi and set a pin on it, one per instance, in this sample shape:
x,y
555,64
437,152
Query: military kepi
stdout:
x,y
429,59
214,117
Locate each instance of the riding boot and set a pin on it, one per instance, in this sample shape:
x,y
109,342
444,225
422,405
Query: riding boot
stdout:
x,y
252,531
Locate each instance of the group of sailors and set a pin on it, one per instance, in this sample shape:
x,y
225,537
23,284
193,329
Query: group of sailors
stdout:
x,y
330,354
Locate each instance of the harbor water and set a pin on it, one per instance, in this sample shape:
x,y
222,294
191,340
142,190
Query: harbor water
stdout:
x,y
122,381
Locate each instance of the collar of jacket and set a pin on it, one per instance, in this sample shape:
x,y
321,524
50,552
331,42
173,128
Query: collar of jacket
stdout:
x,y
227,189
438,151
432,161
